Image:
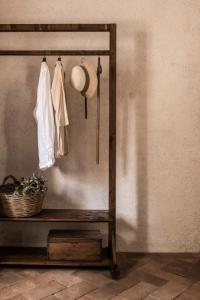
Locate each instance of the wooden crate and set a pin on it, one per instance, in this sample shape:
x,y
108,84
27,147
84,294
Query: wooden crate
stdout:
x,y
75,245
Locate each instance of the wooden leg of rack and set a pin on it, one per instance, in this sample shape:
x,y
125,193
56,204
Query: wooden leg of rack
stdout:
x,y
114,269
115,272
110,240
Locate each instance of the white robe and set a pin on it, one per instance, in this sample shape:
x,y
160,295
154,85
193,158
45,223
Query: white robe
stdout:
x,y
45,119
61,115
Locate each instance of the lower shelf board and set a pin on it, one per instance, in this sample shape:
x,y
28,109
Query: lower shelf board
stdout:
x,y
38,257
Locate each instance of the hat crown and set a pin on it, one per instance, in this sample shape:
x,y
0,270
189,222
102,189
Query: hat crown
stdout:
x,y
79,78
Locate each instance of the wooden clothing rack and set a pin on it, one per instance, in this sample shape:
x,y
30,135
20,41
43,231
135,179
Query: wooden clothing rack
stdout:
x,y
38,256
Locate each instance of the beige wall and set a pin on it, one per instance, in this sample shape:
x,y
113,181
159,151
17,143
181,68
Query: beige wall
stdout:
x,y
158,119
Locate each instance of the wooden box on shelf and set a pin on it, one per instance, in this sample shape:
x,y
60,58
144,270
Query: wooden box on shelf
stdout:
x,y
75,245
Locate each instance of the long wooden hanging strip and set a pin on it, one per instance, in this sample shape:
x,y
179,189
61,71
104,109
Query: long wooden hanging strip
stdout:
x,y
85,99
99,72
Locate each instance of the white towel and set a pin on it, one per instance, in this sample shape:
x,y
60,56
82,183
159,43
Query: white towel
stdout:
x,y
61,115
45,119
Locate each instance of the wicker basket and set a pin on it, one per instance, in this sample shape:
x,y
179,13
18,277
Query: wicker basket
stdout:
x,y
18,206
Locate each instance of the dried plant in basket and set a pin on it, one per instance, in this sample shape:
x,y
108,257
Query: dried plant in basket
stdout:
x,y
31,185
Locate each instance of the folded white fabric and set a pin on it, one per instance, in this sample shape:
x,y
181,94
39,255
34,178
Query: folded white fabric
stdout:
x,y
45,119
61,115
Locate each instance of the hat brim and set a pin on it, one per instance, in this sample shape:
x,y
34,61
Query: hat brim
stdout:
x,y
93,81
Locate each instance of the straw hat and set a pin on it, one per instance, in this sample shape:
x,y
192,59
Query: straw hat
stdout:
x,y
84,79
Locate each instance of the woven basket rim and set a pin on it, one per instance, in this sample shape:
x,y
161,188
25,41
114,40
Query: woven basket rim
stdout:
x,y
18,195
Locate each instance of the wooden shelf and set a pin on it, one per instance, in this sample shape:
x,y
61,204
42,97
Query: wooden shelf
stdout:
x,y
65,215
38,257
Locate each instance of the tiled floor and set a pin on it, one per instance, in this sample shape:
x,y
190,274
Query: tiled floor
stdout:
x,y
149,277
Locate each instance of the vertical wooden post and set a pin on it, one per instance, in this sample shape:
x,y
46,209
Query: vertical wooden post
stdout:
x,y
112,148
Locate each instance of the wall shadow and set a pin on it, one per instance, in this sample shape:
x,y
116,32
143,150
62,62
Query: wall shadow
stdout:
x,y
140,81
134,109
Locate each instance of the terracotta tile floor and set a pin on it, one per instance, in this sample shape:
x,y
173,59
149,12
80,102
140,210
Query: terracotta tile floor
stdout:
x,y
143,276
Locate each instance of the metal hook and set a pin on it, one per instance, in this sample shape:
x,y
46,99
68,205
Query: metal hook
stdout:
x,y
99,67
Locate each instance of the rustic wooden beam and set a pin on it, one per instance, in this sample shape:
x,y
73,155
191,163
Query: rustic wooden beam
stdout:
x,y
38,257
112,123
112,151
55,27
54,52
112,143
64,215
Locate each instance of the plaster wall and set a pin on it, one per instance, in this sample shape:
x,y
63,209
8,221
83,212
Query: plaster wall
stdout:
x,y
158,119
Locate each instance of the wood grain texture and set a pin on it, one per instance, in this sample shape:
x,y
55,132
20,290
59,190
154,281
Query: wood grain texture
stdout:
x,y
65,215
59,236
54,52
38,257
112,146
54,27
74,245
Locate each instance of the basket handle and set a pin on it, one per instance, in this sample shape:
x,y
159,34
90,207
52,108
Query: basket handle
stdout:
x,y
8,177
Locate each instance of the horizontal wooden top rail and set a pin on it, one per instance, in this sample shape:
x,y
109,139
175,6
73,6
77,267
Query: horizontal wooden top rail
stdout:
x,y
54,52
55,27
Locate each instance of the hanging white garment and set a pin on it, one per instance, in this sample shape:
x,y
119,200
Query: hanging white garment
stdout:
x,y
61,115
45,119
